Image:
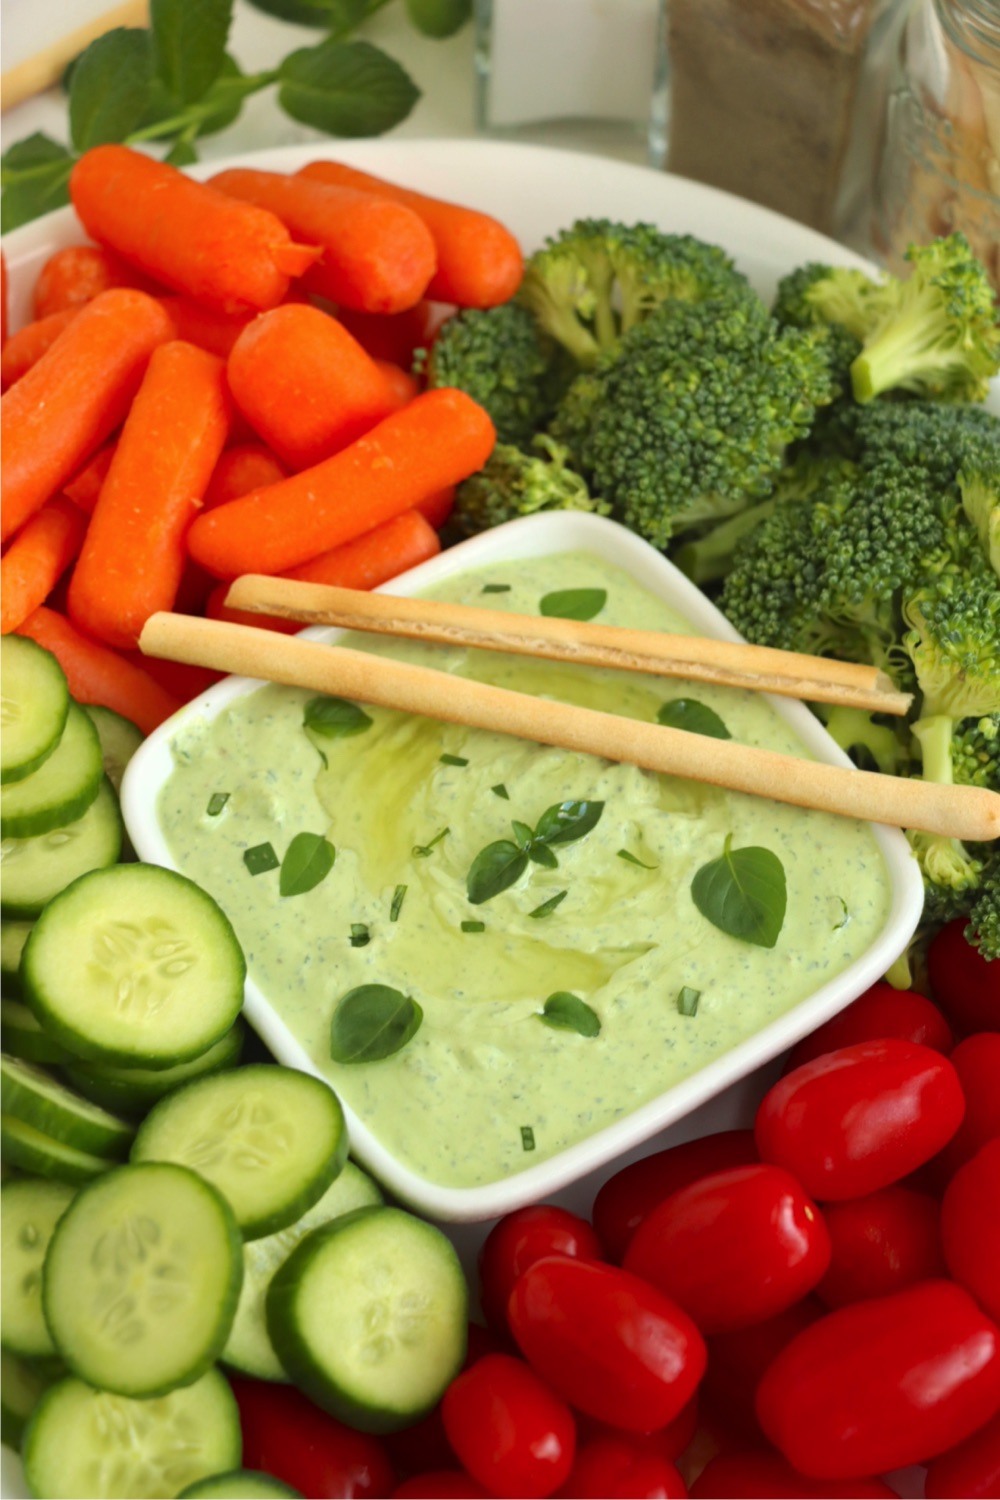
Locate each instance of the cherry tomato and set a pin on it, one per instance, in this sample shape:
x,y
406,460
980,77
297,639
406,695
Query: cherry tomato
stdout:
x,y
970,1227
970,1470
627,1197
737,1361
423,1447
509,1430
733,1249
667,1442
881,1243
611,1344
520,1238
965,984
977,1063
879,1012
884,1383
441,1484
286,1435
766,1476
614,1468
857,1119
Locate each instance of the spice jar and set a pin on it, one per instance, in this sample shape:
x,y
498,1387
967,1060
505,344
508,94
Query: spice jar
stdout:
x,y
939,167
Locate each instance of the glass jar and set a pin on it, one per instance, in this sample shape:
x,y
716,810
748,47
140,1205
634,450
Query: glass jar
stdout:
x,y
939,166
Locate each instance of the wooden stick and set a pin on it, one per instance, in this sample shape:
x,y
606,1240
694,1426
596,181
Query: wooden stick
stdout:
x,y
957,812
660,653
46,67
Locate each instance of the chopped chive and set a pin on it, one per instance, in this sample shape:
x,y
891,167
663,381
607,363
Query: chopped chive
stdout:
x,y
500,791
216,803
633,859
687,1001
453,760
549,905
260,859
845,918
473,926
496,588
360,936
397,903
421,851
527,1138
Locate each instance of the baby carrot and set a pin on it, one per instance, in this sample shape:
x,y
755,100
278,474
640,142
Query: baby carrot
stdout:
x,y
26,347
134,553
246,467
396,336
305,385
229,255
37,557
182,680
215,331
377,255
96,674
3,298
85,486
479,262
61,411
438,507
76,273
438,439
403,385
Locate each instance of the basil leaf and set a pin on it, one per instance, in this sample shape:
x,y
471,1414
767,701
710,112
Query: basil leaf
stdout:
x,y
188,44
549,906
574,604
743,893
308,860
687,1001
260,859
568,1012
335,718
695,717
110,88
345,88
35,179
565,822
542,855
523,834
500,791
372,1022
633,859
438,18
494,868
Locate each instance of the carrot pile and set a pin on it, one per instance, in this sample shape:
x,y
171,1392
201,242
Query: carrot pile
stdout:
x,y
220,383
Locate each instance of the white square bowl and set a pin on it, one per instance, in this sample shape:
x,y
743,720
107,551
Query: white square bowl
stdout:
x,y
532,537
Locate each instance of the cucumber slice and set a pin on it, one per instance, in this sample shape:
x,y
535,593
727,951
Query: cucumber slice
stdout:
x,y
239,1484
21,1388
141,1279
271,1139
22,1036
61,789
369,1317
134,964
36,870
133,1091
29,1149
249,1348
13,936
35,704
119,738
85,1442
30,1094
30,1209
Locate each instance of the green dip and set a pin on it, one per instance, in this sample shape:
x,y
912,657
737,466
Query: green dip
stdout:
x,y
485,1089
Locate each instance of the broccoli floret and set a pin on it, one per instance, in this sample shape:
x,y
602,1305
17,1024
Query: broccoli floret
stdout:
x,y
979,485
515,482
936,333
870,742
983,931
836,304
596,280
500,358
688,419
975,752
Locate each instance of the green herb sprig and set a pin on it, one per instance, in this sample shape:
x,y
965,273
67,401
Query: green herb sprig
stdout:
x,y
503,862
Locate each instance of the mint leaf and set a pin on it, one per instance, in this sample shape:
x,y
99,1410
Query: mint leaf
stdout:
x,y
549,906
743,893
372,1022
565,822
574,604
308,860
438,18
216,110
540,854
336,16
35,173
181,154
695,717
345,88
335,718
188,44
568,1012
110,88
495,868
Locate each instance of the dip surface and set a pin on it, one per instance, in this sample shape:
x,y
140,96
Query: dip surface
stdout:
x,y
485,1088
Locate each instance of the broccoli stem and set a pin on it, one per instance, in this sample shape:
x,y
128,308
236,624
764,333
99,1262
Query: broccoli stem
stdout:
x,y
708,558
910,345
933,734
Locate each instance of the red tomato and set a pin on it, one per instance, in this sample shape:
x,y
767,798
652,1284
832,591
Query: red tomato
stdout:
x,y
667,1442
970,1227
424,1447
519,1239
627,1197
879,1012
287,1436
611,1344
766,1476
509,1430
613,1468
441,1484
857,1119
882,1384
977,1063
965,983
970,1470
733,1249
881,1243
737,1361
